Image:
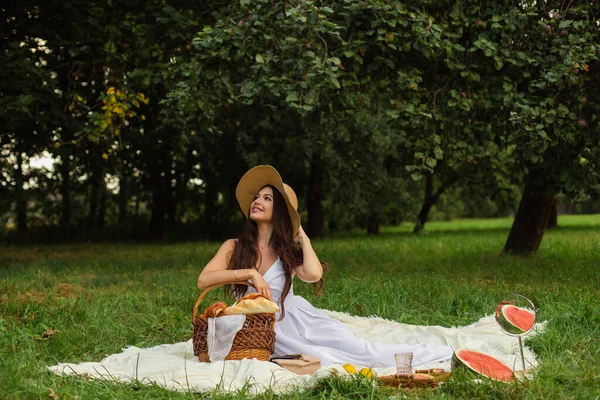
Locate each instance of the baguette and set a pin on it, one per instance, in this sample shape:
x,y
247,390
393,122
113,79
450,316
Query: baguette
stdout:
x,y
253,303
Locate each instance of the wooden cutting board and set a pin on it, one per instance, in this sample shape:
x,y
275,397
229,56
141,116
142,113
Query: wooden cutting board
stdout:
x,y
424,378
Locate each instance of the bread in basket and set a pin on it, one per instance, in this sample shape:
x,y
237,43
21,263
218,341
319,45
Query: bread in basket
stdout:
x,y
256,339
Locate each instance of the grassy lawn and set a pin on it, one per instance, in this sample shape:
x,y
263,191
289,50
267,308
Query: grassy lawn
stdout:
x,y
104,297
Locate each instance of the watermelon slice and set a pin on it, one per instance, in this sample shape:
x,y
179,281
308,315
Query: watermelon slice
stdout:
x,y
482,364
515,319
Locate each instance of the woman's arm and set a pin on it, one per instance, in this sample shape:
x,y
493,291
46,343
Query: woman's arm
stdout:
x,y
216,272
311,269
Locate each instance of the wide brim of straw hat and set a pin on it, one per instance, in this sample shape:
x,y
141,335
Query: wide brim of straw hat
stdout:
x,y
257,178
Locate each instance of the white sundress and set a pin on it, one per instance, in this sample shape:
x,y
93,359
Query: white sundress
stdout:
x,y
306,329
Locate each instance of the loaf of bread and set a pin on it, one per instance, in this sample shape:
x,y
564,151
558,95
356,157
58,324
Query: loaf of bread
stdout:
x,y
215,309
252,296
253,303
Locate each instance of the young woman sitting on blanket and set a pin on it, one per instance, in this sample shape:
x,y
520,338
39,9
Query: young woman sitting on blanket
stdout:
x,y
271,251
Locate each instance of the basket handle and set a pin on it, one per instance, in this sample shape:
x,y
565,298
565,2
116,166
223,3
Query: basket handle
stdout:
x,y
208,289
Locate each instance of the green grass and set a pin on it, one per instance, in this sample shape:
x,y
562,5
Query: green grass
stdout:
x,y
104,297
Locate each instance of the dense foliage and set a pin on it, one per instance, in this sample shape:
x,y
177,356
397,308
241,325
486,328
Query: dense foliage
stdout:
x,y
372,110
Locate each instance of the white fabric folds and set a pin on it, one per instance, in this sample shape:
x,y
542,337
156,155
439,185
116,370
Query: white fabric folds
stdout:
x,y
175,367
220,333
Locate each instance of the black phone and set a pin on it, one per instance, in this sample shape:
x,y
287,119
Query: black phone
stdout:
x,y
287,357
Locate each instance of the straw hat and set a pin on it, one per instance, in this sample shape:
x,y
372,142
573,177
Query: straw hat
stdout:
x,y
257,178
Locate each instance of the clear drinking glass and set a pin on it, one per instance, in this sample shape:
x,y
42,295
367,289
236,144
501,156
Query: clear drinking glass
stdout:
x,y
404,363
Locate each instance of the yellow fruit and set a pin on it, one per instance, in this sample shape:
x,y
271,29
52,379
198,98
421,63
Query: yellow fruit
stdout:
x,y
350,368
368,372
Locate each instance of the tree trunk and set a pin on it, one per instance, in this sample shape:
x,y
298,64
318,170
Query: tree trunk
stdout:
x,y
102,207
211,197
422,217
430,199
373,225
314,203
122,197
553,219
21,200
332,225
137,205
96,180
426,206
181,188
159,202
172,206
65,191
530,221
159,214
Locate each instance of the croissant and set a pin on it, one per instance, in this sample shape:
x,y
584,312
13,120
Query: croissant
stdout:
x,y
215,309
251,296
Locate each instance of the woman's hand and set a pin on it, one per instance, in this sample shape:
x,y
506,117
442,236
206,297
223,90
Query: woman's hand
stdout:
x,y
301,236
261,285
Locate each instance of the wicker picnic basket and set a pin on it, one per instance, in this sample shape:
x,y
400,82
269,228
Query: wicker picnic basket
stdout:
x,y
256,339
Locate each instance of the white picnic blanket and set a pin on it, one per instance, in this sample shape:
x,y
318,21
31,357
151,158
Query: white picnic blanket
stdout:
x,y
175,367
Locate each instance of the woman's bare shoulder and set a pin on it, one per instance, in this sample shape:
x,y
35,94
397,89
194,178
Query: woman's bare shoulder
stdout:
x,y
221,259
228,245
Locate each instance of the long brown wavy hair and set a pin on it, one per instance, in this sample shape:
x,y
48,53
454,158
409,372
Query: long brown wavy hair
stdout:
x,y
246,254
